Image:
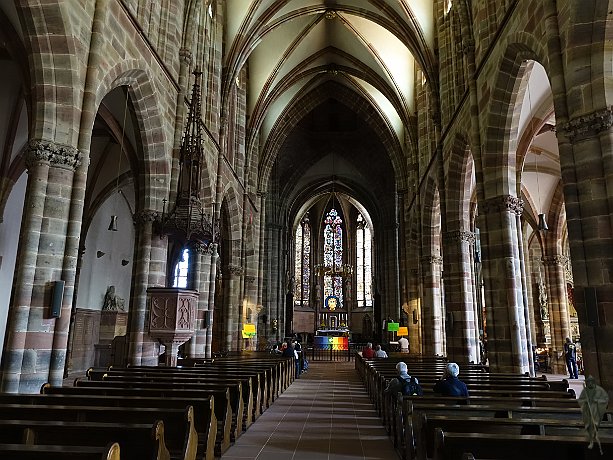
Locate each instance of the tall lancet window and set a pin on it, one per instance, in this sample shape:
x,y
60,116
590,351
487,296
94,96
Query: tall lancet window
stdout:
x,y
333,255
302,267
364,263
182,270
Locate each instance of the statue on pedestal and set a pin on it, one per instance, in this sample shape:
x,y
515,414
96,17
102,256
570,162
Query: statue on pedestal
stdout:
x,y
112,302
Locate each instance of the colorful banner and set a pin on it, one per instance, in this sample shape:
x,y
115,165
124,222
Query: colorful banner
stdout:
x,y
248,330
333,343
392,327
403,331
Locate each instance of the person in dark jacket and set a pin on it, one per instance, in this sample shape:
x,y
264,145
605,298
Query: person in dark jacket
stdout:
x,y
450,384
290,352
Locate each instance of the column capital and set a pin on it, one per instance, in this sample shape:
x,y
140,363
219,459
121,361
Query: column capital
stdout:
x,y
503,203
186,55
232,269
249,279
201,249
41,151
588,125
468,46
145,216
556,259
459,235
431,260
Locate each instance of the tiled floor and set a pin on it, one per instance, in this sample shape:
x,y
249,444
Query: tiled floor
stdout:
x,y
324,415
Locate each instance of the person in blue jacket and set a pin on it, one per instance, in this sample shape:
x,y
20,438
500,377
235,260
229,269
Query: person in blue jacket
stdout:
x,y
450,384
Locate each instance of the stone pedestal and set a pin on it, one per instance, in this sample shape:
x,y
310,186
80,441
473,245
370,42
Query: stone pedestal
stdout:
x,y
112,324
172,318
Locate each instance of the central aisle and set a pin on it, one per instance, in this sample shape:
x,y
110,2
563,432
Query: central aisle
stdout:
x,y
324,415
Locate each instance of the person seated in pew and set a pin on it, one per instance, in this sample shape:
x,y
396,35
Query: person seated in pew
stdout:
x,y
450,384
368,352
380,353
404,383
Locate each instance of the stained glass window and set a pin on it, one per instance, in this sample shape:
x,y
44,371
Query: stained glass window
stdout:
x,y
181,270
364,263
333,254
302,267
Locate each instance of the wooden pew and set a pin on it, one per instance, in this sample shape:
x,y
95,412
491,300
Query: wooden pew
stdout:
x,y
235,387
58,452
262,379
221,395
205,421
249,383
452,446
243,385
181,439
425,426
136,441
408,406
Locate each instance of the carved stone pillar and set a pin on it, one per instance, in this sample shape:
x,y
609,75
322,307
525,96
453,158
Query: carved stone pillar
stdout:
x,y
232,321
585,145
461,330
431,308
149,271
35,350
558,308
212,249
506,325
195,348
415,325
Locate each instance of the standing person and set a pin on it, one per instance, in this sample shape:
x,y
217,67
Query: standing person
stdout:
x,y
368,352
298,352
404,344
570,353
450,384
379,353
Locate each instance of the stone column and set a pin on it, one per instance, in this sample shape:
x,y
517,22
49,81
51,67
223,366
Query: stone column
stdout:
x,y
459,303
232,287
30,331
276,301
149,271
558,308
415,339
431,307
585,145
507,350
262,241
211,299
195,348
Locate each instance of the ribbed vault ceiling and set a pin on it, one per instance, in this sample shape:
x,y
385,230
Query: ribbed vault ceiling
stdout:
x,y
290,48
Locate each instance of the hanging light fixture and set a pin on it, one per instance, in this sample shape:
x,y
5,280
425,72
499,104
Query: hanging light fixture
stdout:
x,y
542,222
187,221
113,223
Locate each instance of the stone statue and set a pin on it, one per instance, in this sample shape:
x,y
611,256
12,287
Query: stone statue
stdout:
x,y
112,302
593,402
543,298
